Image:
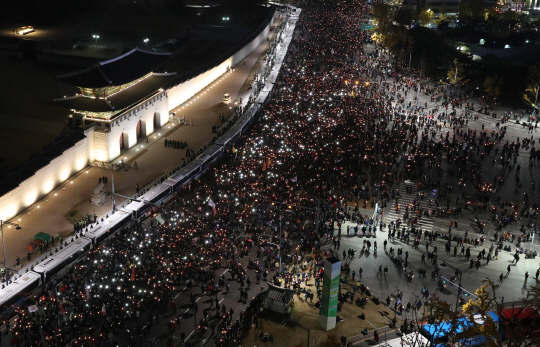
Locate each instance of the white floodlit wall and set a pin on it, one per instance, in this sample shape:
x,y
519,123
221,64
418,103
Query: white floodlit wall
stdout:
x,y
186,90
46,179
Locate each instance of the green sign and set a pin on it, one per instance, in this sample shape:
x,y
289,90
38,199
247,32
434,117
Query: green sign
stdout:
x,y
330,293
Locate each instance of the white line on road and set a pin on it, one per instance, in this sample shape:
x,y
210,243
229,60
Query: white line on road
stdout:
x,y
191,333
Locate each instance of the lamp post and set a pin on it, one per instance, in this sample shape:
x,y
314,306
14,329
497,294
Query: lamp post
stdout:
x,y
146,42
280,238
96,37
410,59
536,86
455,76
17,226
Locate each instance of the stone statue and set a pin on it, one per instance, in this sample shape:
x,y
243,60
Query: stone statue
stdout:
x,y
98,196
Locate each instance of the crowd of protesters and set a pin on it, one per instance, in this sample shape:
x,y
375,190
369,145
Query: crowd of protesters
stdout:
x,y
335,133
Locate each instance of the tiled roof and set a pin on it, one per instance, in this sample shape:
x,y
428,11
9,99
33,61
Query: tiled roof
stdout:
x,y
120,100
279,294
118,71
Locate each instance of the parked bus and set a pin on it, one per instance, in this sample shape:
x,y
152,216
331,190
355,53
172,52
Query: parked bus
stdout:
x,y
14,295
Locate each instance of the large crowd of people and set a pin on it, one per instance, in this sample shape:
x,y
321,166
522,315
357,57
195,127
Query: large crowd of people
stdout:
x,y
335,134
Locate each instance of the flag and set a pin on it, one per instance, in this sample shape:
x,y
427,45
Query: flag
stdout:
x,y
103,311
233,149
133,273
269,162
295,179
264,166
213,205
352,93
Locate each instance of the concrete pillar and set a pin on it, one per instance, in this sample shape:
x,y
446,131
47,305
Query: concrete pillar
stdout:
x,y
330,293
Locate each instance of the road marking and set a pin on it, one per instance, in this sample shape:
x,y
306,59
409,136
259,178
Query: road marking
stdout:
x,y
187,338
221,300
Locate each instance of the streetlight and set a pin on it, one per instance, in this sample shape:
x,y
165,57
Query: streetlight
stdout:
x,y
96,37
146,42
2,230
455,75
536,86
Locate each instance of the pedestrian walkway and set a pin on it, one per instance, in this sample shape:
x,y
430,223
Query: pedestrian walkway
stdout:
x,y
402,201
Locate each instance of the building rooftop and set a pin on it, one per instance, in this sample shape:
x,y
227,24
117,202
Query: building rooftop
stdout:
x,y
279,294
120,100
117,71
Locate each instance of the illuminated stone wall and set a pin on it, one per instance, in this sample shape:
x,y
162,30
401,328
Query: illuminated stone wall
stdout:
x,y
47,179
184,91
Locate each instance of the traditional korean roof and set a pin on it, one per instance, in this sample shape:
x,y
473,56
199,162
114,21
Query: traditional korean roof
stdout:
x,y
278,294
120,100
117,71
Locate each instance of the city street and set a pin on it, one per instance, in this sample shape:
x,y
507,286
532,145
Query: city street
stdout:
x,y
306,176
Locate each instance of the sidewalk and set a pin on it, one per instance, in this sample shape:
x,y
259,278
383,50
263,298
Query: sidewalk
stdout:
x,y
56,212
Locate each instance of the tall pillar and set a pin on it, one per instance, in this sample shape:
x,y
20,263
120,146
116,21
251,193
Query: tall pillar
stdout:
x,y
330,293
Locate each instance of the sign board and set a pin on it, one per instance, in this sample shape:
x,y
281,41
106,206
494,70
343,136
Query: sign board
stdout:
x,y
330,293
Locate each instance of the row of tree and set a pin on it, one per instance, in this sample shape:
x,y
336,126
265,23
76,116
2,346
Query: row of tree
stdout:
x,y
436,54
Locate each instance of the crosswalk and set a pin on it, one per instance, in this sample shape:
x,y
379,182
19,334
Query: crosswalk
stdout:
x,y
408,199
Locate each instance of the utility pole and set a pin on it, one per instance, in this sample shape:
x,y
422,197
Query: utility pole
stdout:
x,y
280,213
536,99
410,58
459,290
18,227
455,76
112,195
317,216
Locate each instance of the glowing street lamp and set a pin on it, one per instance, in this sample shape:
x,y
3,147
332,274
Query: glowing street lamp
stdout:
x,y
2,222
146,42
96,37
